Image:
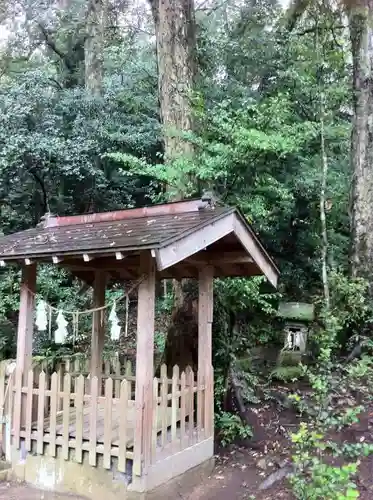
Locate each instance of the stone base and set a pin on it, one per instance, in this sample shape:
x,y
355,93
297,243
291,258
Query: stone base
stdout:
x,y
165,479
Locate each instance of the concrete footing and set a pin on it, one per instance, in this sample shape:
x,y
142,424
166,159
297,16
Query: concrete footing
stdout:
x,y
167,478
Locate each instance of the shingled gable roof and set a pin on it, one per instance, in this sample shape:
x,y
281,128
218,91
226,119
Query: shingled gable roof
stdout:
x,y
172,231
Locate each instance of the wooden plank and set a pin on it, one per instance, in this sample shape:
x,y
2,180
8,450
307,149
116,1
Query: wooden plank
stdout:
x,y
29,399
123,424
182,408
163,405
53,413
155,419
108,422
174,402
93,422
41,403
66,415
79,418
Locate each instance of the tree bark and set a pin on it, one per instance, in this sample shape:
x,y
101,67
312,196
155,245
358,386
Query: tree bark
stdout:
x,y
176,42
361,33
93,47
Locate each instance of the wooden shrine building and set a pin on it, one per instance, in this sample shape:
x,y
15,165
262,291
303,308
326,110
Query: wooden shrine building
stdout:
x,y
93,433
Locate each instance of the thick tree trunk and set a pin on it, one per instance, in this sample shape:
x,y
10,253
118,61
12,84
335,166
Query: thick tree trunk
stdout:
x,y
361,32
93,48
176,41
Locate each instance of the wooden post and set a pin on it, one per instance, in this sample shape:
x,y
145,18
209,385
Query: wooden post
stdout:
x,y
205,372
26,319
98,326
24,341
145,365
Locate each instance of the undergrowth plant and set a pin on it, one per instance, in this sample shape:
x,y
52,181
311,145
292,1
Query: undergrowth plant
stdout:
x,y
330,407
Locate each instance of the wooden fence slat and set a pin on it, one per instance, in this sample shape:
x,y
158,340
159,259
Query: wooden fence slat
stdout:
x,y
123,423
75,380
79,422
190,383
59,385
117,384
53,415
29,399
66,415
174,402
182,408
155,419
128,373
164,405
41,407
108,422
93,423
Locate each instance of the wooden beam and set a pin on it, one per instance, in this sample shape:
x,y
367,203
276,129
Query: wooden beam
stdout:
x,y
25,332
145,362
254,249
25,318
205,371
213,258
177,251
98,324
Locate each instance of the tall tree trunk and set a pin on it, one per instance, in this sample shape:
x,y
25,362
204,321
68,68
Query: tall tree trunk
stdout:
x,y
361,33
176,42
324,232
93,48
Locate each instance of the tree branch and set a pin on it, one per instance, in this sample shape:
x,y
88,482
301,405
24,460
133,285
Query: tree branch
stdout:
x,y
52,45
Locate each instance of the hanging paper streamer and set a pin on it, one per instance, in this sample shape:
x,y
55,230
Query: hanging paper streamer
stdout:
x,y
61,333
41,320
115,328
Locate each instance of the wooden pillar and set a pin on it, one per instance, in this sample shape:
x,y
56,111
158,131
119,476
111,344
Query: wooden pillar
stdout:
x,y
24,344
144,366
98,324
205,371
26,319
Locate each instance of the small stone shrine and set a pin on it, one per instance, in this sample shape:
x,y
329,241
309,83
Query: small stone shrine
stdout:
x,y
297,317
